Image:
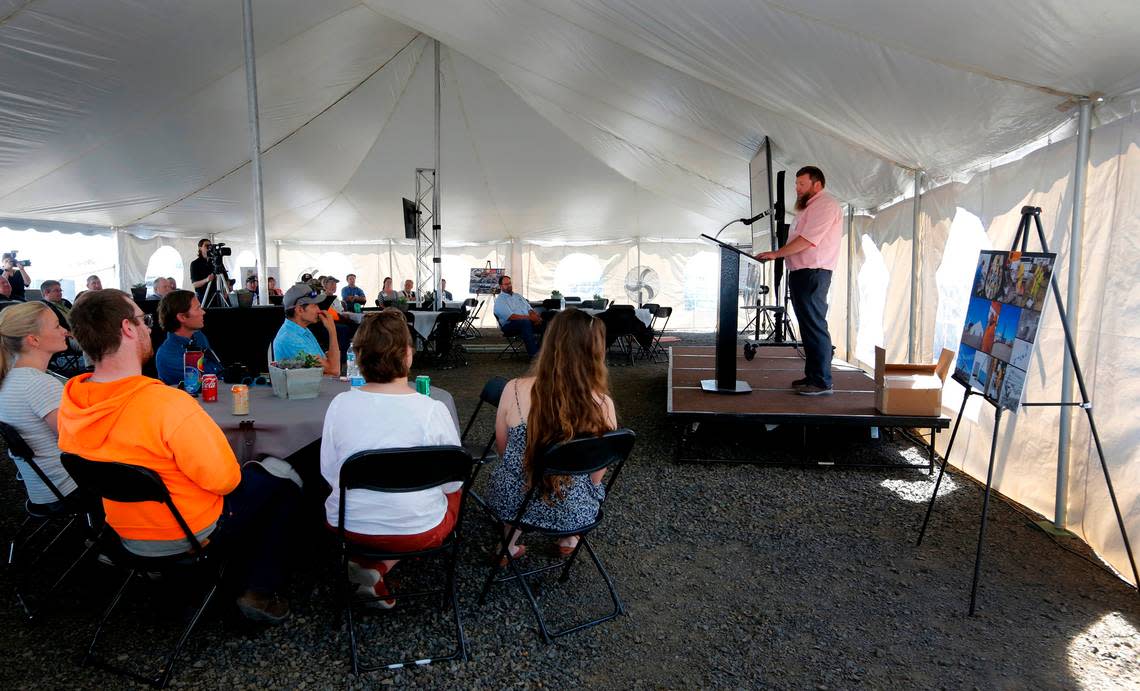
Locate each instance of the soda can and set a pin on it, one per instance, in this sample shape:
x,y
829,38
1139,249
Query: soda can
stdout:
x,y
423,384
210,388
241,399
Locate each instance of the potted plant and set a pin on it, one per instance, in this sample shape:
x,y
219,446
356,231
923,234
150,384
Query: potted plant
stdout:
x,y
138,291
296,378
599,301
402,303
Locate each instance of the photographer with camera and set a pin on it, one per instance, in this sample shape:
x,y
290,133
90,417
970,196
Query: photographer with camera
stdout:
x,y
206,268
16,273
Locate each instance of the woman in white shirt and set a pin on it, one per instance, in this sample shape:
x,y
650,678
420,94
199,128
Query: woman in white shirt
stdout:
x,y
29,397
386,413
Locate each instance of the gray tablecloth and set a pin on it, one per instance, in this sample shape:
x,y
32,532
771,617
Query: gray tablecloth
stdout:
x,y
280,427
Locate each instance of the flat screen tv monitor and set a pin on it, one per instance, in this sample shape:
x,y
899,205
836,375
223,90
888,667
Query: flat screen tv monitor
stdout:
x,y
410,221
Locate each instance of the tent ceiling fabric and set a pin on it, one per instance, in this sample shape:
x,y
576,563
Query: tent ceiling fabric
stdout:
x,y
583,119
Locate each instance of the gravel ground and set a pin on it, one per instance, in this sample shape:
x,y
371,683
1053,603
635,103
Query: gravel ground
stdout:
x,y
733,575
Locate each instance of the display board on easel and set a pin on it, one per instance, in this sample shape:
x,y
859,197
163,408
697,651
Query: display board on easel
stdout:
x,y
1002,320
485,280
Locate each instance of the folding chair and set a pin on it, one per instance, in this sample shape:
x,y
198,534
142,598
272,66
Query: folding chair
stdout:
x,y
577,457
659,336
405,470
443,339
468,330
619,329
482,453
120,482
515,345
38,518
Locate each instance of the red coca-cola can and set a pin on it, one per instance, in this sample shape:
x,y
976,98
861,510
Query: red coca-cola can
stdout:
x,y
210,388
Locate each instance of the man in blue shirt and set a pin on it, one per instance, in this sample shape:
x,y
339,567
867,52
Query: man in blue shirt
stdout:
x,y
182,317
515,316
351,295
293,340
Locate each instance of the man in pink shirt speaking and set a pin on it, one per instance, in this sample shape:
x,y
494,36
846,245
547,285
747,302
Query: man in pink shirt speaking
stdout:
x,y
811,253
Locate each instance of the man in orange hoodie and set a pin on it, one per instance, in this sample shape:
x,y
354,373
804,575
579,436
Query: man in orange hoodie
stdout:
x,y
117,414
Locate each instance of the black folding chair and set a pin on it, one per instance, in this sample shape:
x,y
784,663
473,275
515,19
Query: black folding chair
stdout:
x,y
443,339
578,457
491,394
515,345
619,321
38,517
468,330
405,470
659,337
120,482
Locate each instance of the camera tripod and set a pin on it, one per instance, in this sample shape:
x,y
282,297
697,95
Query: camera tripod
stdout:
x,y
217,293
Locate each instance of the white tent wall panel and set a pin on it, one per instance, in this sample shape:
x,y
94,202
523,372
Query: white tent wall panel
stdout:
x,y
134,253
1108,330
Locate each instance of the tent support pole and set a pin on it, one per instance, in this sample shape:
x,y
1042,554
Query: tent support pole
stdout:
x,y
850,283
436,226
912,340
1084,118
255,153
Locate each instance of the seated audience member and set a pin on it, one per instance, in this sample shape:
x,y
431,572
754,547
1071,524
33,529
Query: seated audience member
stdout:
x,y
182,318
273,289
351,295
329,285
566,394
171,283
116,414
386,292
158,289
516,317
404,521
17,276
29,397
252,289
302,308
443,289
93,283
52,292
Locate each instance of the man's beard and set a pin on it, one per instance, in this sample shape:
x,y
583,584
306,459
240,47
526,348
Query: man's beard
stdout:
x,y
145,350
802,201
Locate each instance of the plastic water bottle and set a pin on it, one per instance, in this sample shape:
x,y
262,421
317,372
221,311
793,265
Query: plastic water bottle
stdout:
x,y
355,379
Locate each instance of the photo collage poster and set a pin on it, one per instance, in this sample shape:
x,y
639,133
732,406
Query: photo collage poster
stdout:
x,y
1008,294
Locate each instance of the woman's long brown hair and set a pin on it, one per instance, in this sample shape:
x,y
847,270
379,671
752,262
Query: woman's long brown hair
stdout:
x,y
570,377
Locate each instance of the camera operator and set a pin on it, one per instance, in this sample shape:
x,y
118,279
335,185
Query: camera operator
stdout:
x,y
17,274
207,266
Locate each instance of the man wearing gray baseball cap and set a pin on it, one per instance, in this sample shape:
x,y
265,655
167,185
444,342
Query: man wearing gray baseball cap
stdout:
x,y
293,340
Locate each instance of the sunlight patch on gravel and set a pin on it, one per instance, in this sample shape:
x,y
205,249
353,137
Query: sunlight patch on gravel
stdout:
x,y
1106,655
918,491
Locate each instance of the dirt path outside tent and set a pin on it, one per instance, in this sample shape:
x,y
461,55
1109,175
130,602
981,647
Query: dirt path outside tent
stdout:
x,y
733,575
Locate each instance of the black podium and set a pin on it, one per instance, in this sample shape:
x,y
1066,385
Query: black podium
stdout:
x,y
728,303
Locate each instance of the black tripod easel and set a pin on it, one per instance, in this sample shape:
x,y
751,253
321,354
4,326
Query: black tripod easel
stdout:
x,y
1022,239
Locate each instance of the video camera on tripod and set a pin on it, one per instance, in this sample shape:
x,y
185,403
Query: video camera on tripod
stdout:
x,y
217,291
214,255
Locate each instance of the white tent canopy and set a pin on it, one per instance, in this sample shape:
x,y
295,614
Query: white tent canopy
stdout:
x,y
587,119
627,125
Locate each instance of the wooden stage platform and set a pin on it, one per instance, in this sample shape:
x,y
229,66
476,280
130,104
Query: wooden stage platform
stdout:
x,y
773,401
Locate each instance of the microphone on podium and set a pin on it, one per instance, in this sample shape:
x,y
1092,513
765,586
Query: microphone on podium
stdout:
x,y
745,221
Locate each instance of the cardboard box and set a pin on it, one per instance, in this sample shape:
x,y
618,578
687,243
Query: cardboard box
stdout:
x,y
910,389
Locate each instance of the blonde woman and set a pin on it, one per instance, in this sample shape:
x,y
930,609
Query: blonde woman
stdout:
x,y
565,395
30,334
